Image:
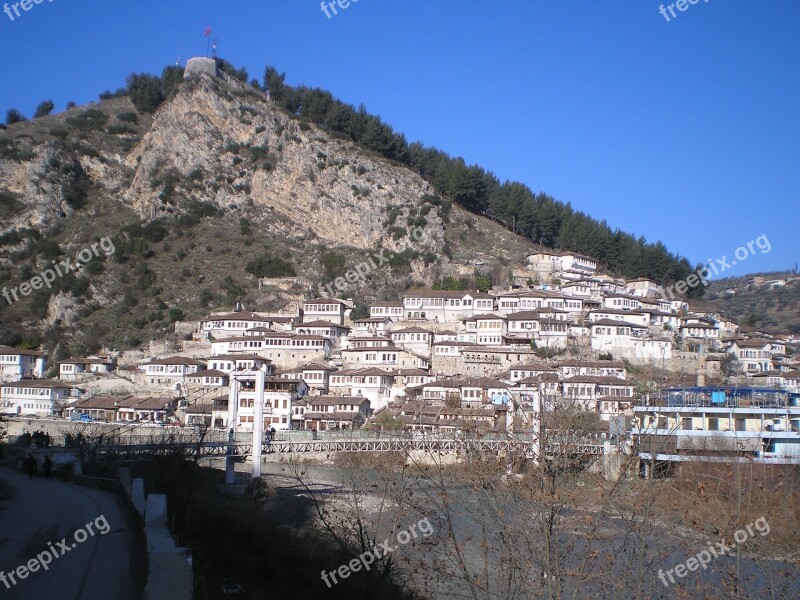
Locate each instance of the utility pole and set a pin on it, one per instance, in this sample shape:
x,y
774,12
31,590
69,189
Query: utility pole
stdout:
x,y
536,425
258,423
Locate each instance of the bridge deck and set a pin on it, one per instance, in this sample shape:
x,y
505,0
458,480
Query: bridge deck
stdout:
x,y
356,445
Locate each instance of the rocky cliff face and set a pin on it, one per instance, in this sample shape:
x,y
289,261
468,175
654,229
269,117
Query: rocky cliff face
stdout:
x,y
223,143
239,148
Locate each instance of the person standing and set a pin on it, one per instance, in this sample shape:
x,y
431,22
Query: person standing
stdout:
x,y
47,466
30,465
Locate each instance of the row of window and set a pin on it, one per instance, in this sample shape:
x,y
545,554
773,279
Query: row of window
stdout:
x,y
243,420
171,369
612,330
32,392
348,380
16,358
385,358
323,308
288,342
250,403
412,337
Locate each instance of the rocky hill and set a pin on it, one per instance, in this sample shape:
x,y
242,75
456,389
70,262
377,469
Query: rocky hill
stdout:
x,y
218,187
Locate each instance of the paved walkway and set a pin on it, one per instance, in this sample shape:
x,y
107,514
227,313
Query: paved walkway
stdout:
x,y
35,514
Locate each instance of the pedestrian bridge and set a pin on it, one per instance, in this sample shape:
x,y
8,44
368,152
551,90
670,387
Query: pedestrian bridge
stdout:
x,y
401,445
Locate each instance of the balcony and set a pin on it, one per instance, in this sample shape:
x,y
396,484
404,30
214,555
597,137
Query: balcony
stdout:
x,y
730,399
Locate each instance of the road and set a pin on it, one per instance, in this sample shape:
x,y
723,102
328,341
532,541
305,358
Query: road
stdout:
x,y
36,514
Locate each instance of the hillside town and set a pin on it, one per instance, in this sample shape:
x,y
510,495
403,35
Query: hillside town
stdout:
x,y
437,361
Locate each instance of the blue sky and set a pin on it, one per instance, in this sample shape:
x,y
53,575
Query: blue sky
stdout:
x,y
684,131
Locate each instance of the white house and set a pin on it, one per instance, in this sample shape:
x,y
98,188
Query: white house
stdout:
x,y
628,340
527,370
384,357
523,325
316,376
644,287
393,310
373,384
325,309
322,328
415,339
332,413
372,326
170,370
489,329
702,332
237,323
376,341
582,288
601,368
606,395
79,368
467,393
622,301
635,317
227,363
16,364
511,302
286,350
37,397
208,378
566,264
445,305
754,355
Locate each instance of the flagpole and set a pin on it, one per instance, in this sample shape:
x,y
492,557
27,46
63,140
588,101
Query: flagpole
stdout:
x,y
207,34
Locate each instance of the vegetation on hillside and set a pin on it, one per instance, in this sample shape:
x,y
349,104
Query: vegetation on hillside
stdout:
x,y
772,310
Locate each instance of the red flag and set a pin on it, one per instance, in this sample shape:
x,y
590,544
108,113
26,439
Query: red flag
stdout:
x,y
207,31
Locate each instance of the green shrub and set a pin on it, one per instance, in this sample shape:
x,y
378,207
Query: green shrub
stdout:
x,y
128,117
205,298
270,266
14,116
9,205
334,264
88,120
44,109
145,91
9,150
120,130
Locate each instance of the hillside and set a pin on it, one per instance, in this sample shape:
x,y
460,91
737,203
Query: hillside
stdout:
x,y
217,180
756,305
198,189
